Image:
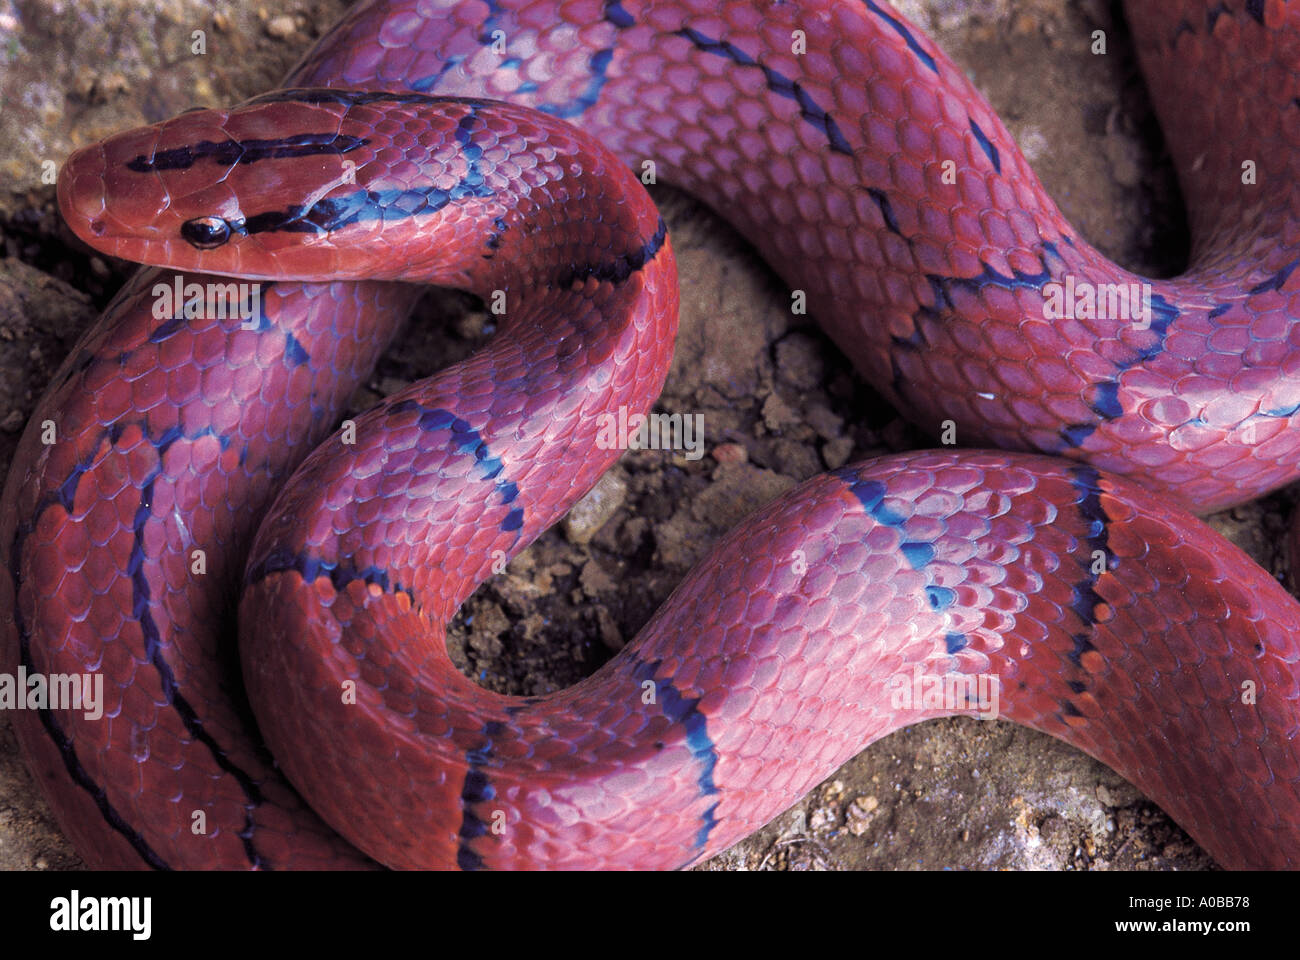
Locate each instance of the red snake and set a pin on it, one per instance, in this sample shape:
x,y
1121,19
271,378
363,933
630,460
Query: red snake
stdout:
x,y
870,172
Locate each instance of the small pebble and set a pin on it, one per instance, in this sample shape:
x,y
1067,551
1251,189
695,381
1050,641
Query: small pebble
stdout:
x,y
280,27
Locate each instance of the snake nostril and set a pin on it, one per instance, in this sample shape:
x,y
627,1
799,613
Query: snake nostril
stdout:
x,y
97,227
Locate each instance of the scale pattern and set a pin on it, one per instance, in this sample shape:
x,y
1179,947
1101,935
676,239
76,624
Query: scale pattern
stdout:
x,y
873,176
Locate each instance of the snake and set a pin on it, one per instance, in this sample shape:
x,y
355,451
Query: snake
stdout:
x,y
266,590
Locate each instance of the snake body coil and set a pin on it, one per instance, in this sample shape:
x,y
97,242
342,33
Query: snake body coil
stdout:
x,y
871,173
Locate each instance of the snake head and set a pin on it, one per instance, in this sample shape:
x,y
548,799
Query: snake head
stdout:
x,y
273,189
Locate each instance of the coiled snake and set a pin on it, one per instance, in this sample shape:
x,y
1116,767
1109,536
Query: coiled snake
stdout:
x,y
871,174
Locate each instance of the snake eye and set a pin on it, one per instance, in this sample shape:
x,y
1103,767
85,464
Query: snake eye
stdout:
x,y
205,232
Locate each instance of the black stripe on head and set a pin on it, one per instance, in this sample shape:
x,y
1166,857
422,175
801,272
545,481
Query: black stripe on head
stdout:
x,y
334,213
230,152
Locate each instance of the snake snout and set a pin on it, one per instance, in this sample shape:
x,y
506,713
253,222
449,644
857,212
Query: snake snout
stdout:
x,y
112,196
80,191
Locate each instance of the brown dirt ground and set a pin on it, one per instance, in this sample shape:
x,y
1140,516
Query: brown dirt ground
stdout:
x,y
780,405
